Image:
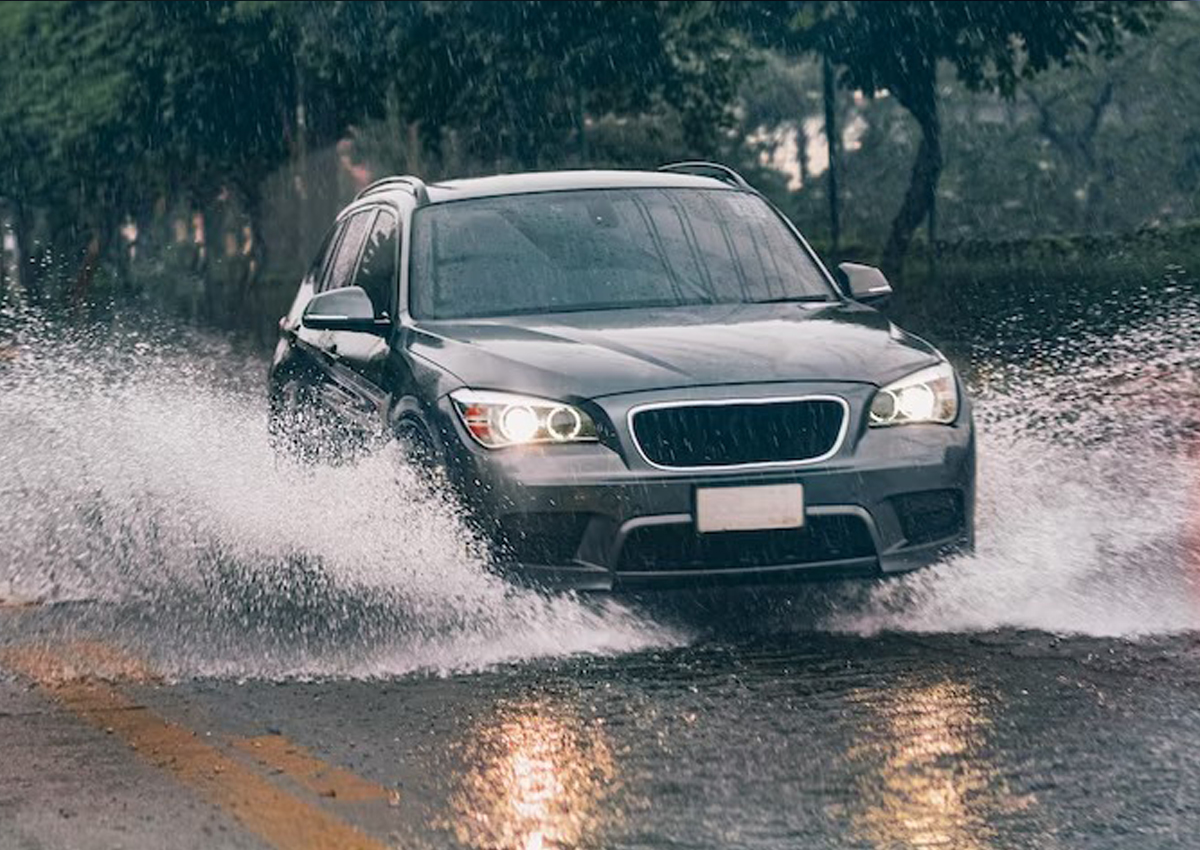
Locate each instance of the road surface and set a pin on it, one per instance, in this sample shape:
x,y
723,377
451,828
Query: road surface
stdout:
x,y
1005,739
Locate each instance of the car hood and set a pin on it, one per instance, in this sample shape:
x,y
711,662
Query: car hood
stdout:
x,y
594,354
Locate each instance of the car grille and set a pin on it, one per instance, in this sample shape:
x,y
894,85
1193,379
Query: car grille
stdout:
x,y
659,548
739,433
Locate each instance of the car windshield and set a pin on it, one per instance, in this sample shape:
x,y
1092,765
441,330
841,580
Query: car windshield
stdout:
x,y
605,249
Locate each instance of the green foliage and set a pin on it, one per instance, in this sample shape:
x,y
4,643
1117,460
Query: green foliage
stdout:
x,y
515,80
1102,146
115,110
896,47
109,108
68,104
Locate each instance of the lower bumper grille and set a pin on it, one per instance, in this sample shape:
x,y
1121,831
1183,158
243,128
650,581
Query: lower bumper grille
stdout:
x,y
931,515
541,538
739,433
659,548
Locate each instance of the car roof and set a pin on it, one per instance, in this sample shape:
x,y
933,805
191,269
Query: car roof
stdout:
x,y
558,181
536,181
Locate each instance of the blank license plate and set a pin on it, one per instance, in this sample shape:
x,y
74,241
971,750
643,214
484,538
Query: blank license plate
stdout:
x,y
749,508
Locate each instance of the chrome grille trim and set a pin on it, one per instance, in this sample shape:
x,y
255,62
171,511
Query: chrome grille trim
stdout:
x,y
773,464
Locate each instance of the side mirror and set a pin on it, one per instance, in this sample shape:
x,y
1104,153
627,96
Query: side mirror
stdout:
x,y
865,284
346,309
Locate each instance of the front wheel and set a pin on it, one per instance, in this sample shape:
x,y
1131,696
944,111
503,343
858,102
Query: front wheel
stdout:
x,y
419,447
416,446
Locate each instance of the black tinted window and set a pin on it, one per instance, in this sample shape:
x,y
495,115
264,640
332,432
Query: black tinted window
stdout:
x,y
377,269
604,249
317,270
353,234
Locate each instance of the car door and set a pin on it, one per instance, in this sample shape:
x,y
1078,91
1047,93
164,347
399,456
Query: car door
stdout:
x,y
360,358
298,367
336,390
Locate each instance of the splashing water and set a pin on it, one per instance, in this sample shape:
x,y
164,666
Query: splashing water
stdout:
x,y
135,473
1089,495
138,491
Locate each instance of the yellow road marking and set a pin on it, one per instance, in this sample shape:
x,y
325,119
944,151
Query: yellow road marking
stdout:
x,y
76,661
276,816
297,763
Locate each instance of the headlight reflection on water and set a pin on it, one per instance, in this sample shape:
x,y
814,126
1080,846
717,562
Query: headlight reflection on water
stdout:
x,y
536,775
927,779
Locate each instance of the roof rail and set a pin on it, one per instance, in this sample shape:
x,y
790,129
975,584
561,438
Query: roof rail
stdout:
x,y
708,169
416,184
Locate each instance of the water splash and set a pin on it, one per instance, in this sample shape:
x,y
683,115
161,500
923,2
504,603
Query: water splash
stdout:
x,y
1089,494
139,494
136,475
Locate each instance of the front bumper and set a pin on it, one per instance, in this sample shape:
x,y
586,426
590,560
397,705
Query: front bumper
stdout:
x,y
599,517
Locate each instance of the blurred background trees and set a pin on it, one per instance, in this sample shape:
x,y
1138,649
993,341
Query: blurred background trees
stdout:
x,y
195,152
897,48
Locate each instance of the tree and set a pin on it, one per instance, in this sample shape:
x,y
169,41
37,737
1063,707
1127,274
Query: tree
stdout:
x,y
115,109
515,80
108,106
71,113
896,47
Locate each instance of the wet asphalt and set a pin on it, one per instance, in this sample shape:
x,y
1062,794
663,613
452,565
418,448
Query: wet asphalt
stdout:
x,y
1004,739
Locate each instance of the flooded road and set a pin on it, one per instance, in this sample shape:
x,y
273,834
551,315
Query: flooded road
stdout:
x,y
202,646
1005,740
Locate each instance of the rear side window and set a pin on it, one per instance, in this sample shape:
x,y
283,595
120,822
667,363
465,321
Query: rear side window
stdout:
x,y
354,233
317,270
377,270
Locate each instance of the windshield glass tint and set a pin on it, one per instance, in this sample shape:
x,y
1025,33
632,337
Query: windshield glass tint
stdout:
x,y
605,249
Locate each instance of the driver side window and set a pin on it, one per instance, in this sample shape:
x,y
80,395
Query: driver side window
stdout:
x,y
377,270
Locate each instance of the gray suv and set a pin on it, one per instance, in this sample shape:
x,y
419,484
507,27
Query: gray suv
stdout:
x,y
630,379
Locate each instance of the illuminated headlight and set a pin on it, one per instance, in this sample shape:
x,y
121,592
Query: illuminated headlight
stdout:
x,y
930,395
503,419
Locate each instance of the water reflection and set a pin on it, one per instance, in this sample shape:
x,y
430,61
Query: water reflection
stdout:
x,y
536,775
928,781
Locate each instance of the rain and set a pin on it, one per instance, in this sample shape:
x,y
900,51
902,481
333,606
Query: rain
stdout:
x,y
556,492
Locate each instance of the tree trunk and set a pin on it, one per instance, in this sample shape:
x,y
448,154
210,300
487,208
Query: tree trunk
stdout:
x,y
802,152
922,184
102,238
581,125
207,259
87,271
305,225
832,139
252,206
114,249
3,253
22,232
1078,148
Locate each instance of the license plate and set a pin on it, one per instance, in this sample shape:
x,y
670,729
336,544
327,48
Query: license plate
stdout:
x,y
749,508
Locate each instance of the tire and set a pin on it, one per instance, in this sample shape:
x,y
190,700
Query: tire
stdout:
x,y
416,446
419,448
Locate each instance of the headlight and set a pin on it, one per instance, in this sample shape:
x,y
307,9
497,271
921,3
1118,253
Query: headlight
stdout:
x,y
930,395
503,419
